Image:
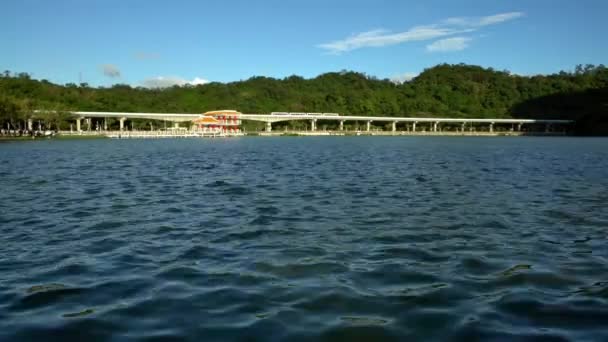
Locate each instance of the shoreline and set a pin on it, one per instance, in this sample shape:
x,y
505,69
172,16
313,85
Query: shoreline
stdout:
x,y
156,135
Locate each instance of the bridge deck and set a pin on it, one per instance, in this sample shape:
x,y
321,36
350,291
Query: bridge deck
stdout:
x,y
181,117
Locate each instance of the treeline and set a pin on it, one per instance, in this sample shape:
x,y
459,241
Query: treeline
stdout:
x,y
444,90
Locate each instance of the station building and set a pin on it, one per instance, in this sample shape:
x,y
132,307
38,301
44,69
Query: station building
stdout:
x,y
219,121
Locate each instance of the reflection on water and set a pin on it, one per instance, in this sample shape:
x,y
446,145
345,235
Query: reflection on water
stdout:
x,y
304,238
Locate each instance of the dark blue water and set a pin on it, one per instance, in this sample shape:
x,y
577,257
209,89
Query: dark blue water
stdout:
x,y
362,238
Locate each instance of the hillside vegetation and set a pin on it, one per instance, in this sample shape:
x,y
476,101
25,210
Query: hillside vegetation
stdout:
x,y
443,91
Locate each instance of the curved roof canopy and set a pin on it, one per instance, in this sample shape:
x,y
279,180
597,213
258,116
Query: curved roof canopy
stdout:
x,y
223,112
206,120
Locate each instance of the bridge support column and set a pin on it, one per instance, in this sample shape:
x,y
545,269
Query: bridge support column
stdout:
x,y
491,127
268,127
394,126
78,128
122,123
519,127
414,126
105,124
176,125
435,124
313,125
462,127
89,121
369,126
341,125
30,124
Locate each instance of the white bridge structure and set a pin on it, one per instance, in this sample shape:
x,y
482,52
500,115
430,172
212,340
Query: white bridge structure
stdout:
x,y
412,122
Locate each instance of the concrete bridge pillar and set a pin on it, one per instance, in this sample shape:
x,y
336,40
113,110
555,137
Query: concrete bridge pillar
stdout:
x,y
462,126
519,127
78,128
435,124
89,121
105,124
341,125
269,127
122,123
313,125
176,125
30,124
491,127
394,126
369,125
414,126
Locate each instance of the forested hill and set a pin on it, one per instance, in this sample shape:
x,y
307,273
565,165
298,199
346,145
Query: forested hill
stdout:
x,y
444,90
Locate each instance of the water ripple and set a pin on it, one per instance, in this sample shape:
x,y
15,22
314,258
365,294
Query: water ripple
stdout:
x,y
304,239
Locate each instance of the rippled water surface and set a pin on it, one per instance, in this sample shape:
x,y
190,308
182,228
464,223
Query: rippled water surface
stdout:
x,y
370,238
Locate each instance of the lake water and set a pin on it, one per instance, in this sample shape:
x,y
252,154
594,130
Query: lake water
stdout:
x,y
331,238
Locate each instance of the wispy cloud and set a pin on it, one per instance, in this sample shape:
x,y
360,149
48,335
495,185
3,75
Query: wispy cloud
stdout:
x,y
169,81
499,18
110,70
447,28
377,38
449,44
405,77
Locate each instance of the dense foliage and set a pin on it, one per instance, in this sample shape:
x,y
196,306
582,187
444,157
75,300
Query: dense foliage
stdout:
x,y
444,90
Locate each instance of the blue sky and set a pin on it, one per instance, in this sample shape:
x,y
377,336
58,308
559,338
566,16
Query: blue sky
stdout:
x,y
155,43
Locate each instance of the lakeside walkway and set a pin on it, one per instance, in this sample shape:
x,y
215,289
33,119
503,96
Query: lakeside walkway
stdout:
x,y
157,134
411,133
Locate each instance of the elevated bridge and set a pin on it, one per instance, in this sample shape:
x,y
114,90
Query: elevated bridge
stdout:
x,y
412,122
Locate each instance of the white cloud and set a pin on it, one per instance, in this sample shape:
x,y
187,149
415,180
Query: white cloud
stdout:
x,y
405,77
449,44
477,22
522,74
197,81
378,38
499,18
448,27
110,70
169,81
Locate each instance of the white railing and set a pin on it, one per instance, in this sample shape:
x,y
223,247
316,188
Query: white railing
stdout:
x,y
169,133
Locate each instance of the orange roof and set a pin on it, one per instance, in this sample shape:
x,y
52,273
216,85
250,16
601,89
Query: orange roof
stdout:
x,y
205,120
223,112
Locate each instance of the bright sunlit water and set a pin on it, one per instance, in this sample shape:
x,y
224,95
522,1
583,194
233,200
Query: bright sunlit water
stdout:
x,y
371,238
